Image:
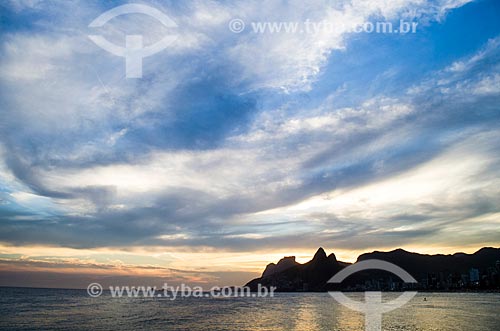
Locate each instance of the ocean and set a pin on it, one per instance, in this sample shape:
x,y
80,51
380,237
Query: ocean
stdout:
x,y
59,309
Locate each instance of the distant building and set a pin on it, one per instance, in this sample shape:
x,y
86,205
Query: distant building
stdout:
x,y
474,276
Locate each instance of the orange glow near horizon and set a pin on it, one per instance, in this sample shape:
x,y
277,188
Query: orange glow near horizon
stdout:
x,y
134,260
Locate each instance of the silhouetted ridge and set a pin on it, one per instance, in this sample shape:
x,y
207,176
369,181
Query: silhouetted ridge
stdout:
x,y
283,264
320,255
459,271
311,276
332,257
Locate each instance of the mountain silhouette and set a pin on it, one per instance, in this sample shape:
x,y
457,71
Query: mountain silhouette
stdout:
x,y
283,264
459,271
311,276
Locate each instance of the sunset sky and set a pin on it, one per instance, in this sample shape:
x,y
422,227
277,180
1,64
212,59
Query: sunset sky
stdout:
x,y
236,149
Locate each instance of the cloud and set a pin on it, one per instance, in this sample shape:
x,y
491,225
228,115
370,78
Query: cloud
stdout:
x,y
292,61
200,153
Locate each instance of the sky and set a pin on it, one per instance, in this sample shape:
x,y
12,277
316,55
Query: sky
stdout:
x,y
235,149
